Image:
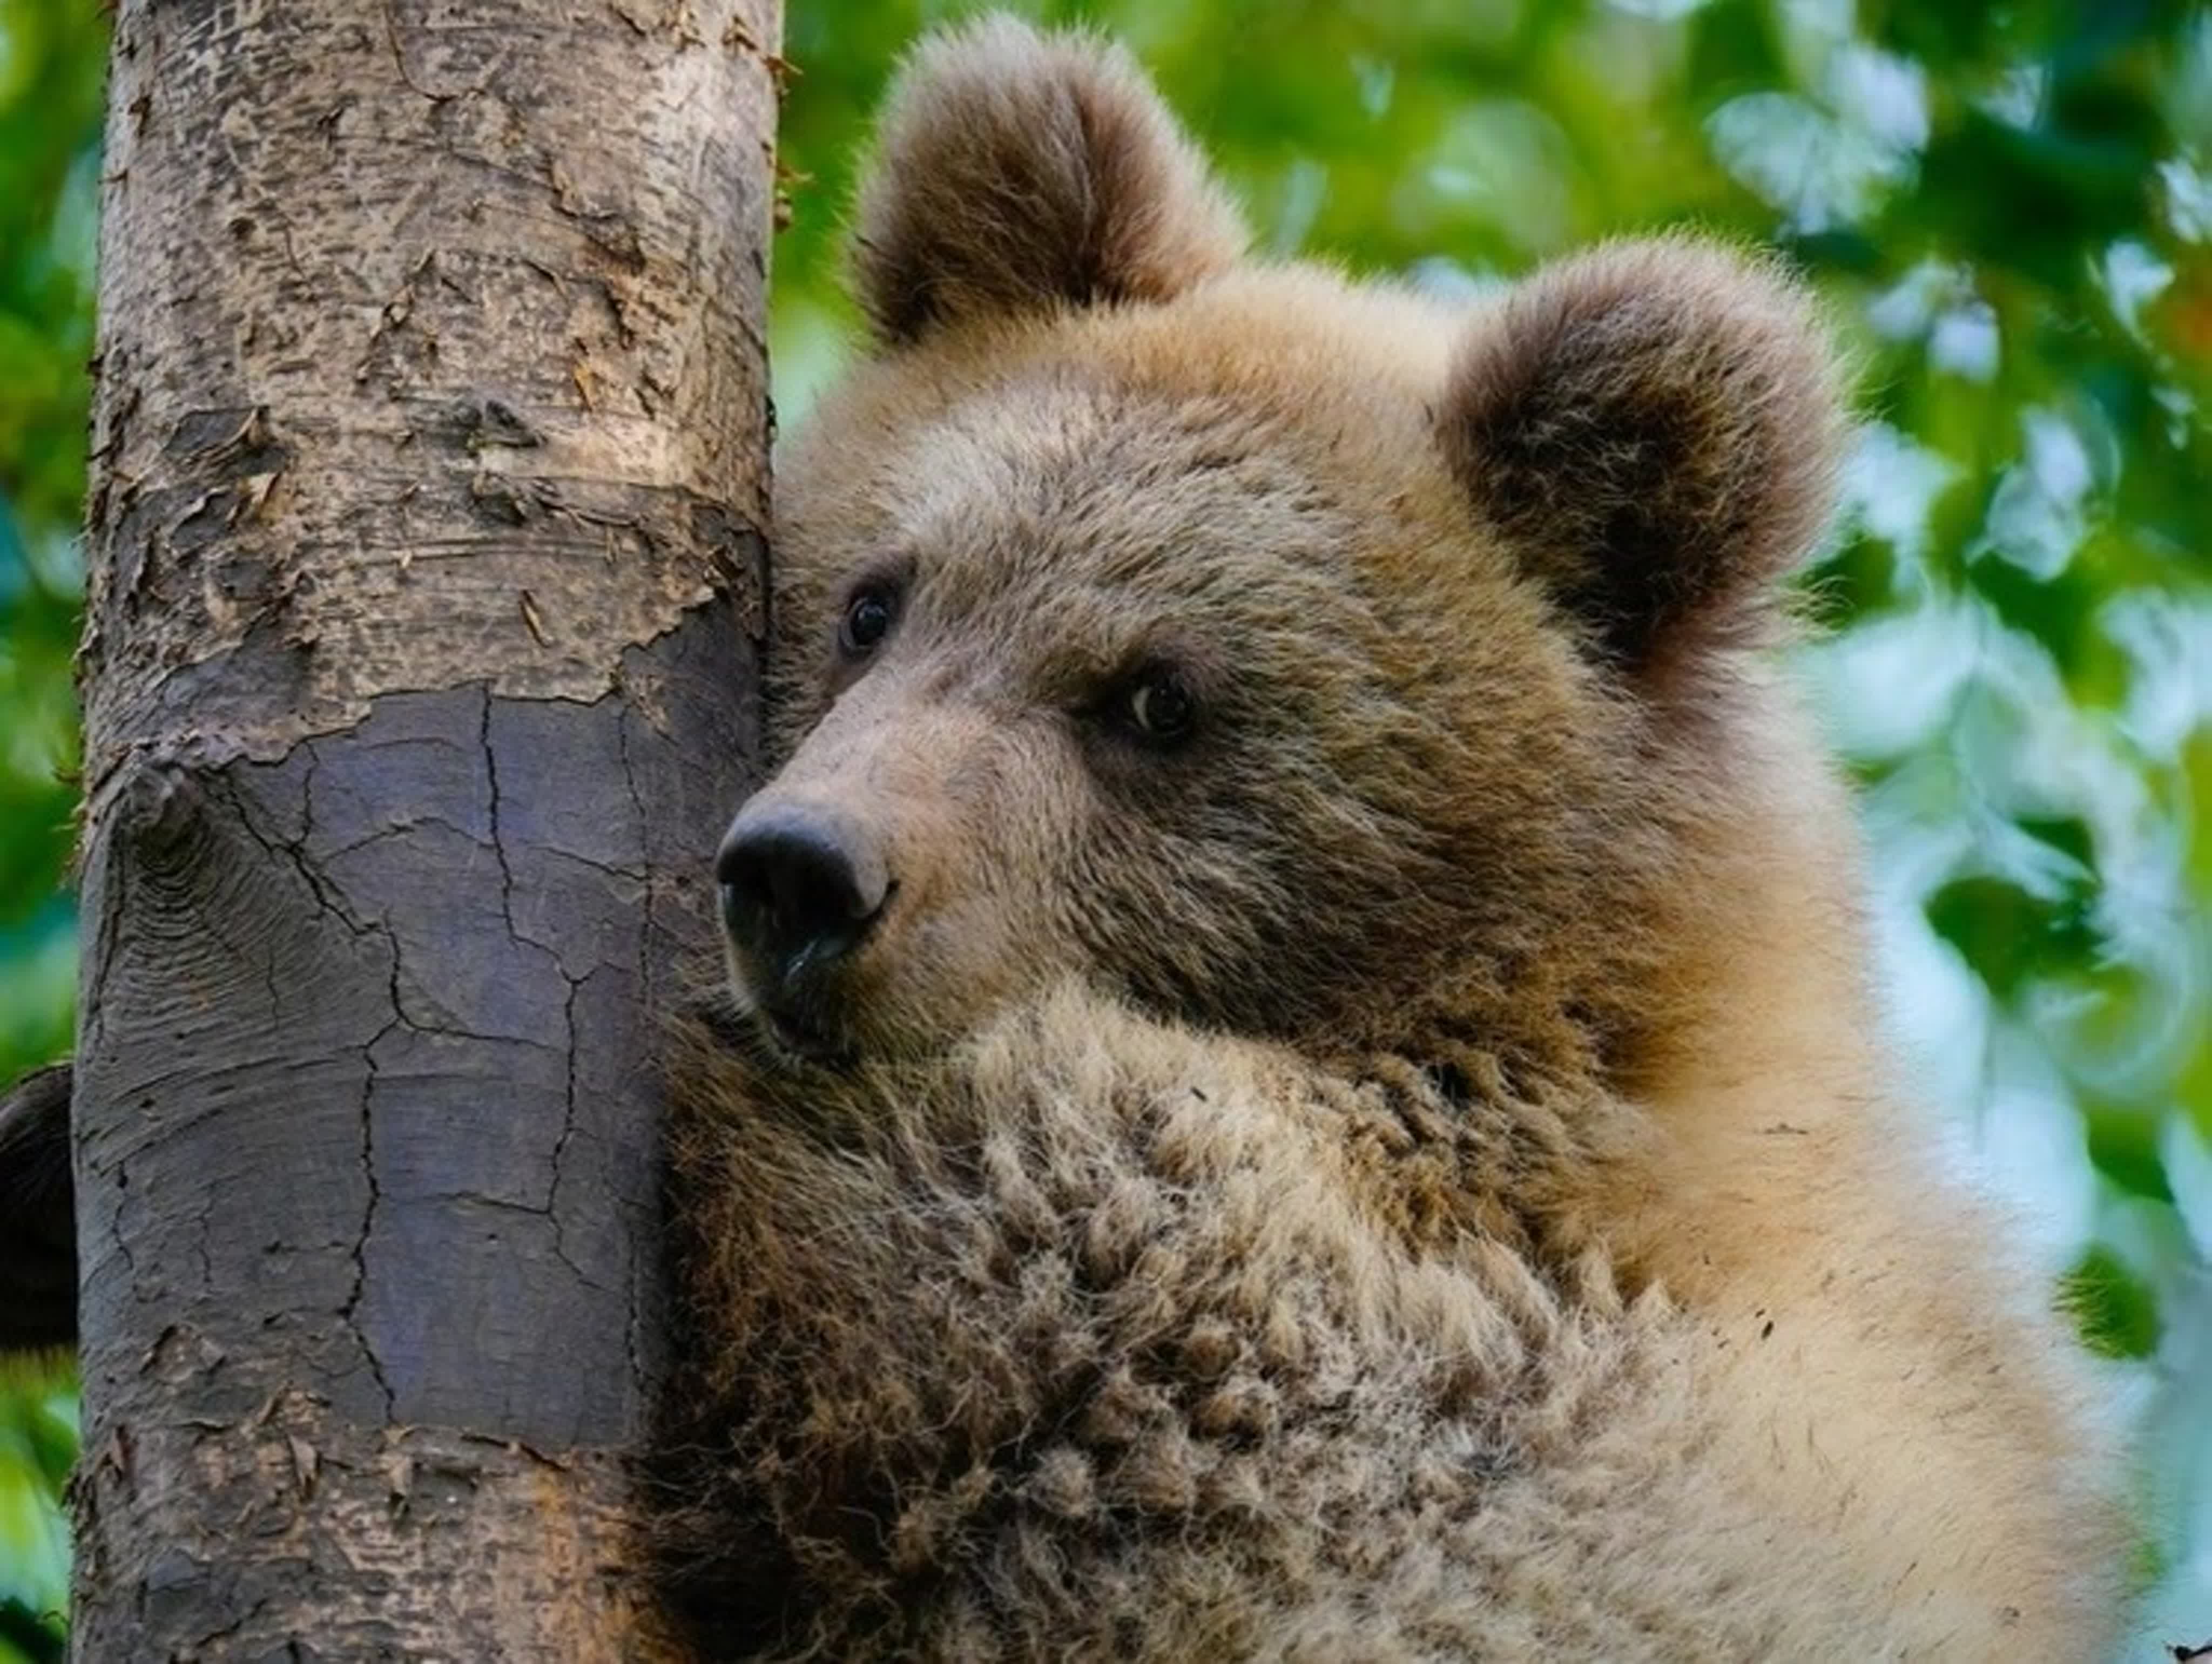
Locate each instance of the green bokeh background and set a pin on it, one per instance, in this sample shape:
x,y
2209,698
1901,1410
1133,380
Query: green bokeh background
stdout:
x,y
2011,211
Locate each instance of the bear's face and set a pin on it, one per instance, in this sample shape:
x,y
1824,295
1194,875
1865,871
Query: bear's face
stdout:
x,y
1263,648
1194,676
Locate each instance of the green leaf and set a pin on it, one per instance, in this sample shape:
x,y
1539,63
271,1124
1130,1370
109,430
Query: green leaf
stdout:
x,y
2123,1143
2114,1310
2006,933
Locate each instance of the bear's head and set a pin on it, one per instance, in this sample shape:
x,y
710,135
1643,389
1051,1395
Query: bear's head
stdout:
x,y
1283,654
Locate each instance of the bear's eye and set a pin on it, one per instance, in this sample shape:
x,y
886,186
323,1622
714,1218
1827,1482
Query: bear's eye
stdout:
x,y
868,618
1157,707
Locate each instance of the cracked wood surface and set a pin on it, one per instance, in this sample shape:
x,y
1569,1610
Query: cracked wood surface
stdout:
x,y
426,595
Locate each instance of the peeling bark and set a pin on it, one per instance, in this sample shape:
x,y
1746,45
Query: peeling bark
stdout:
x,y
426,596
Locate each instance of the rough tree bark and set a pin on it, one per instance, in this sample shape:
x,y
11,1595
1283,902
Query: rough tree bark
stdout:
x,y
426,589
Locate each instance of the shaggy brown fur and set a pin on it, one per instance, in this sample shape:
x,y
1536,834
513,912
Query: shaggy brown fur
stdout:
x,y
1401,1172
1021,171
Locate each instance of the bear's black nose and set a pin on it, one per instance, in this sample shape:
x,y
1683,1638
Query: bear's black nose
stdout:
x,y
800,884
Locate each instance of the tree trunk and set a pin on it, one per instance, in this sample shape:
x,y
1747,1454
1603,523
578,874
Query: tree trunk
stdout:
x,y
425,593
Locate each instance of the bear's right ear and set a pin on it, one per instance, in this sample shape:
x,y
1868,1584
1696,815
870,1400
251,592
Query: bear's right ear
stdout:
x,y
1656,428
1016,171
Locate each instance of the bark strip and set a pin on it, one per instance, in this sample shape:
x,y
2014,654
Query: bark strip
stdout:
x,y
426,550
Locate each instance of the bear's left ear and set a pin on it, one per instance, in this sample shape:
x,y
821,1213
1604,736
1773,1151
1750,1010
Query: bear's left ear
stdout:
x,y
1655,427
1016,171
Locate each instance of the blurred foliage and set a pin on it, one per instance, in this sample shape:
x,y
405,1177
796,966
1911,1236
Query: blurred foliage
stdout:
x,y
52,58
38,1441
2010,210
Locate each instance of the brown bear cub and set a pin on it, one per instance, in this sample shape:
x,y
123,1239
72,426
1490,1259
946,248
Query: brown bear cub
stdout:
x,y
1300,1084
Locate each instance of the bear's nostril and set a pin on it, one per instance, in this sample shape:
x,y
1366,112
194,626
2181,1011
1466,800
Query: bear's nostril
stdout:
x,y
799,884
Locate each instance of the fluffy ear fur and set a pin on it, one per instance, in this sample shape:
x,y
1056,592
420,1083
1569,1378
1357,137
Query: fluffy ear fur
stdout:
x,y
1656,427
38,1228
1018,172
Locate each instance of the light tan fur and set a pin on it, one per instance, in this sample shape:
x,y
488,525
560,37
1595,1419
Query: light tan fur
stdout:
x,y
1408,1173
